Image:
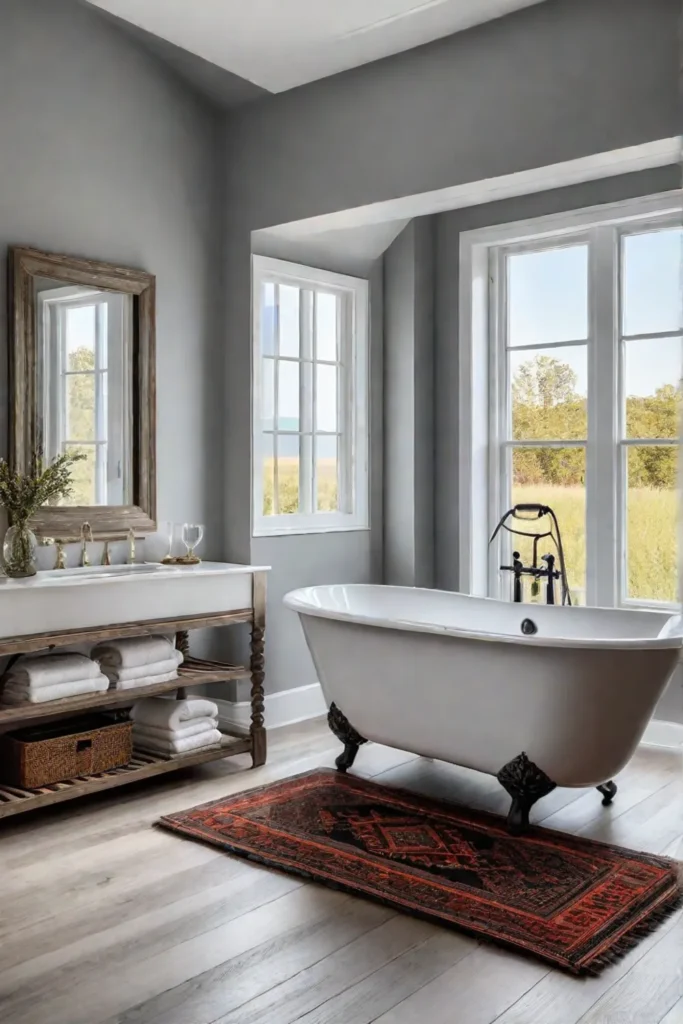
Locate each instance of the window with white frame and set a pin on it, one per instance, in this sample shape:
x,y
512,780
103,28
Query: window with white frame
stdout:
x,y
582,324
310,425
84,384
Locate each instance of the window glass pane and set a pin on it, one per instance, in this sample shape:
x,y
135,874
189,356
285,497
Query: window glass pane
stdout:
x,y
326,397
554,477
289,320
327,474
267,448
548,296
651,535
80,337
549,390
652,282
652,373
268,319
83,475
80,407
288,396
326,326
288,473
268,398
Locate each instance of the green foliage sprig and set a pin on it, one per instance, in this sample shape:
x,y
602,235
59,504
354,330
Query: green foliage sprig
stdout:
x,y
22,494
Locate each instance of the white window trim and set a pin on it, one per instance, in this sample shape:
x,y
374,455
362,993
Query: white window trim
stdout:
x,y
353,404
481,404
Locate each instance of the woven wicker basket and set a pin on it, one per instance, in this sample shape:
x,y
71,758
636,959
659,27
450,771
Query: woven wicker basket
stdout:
x,y
31,758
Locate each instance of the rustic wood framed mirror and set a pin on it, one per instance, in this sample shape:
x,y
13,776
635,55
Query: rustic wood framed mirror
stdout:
x,y
82,378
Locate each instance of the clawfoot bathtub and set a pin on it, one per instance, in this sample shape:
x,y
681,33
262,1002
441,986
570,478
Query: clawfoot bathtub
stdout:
x,y
538,696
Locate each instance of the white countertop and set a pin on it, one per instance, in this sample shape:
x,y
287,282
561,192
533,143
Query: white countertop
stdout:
x,y
97,574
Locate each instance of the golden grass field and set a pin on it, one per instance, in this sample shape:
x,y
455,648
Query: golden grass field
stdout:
x,y
651,525
288,481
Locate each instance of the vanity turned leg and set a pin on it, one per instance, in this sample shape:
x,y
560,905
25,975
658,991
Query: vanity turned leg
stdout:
x,y
609,791
526,783
182,642
258,706
344,731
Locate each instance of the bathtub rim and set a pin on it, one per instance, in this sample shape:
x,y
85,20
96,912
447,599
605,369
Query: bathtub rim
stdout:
x,y
299,601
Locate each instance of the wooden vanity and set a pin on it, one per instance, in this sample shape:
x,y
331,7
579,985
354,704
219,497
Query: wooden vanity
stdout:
x,y
179,600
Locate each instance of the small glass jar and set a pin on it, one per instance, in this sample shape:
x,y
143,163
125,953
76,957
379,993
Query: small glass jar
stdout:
x,y
19,552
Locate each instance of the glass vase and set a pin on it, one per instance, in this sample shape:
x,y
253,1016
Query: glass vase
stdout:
x,y
19,552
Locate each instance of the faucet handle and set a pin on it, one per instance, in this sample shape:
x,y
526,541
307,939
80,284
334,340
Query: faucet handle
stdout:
x,y
85,530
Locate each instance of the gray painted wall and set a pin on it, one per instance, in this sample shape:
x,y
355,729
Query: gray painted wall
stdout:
x,y
105,154
409,407
306,560
449,228
557,81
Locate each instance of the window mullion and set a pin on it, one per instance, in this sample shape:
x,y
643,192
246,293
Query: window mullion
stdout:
x,y
276,402
499,419
602,453
306,404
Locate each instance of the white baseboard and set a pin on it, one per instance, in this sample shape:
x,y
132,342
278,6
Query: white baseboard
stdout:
x,y
298,705
664,734
284,708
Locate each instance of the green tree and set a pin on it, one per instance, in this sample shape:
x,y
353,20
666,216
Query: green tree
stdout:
x,y
546,406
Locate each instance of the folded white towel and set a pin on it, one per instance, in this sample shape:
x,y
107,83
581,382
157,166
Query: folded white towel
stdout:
x,y
52,669
133,651
202,741
193,728
135,684
18,694
167,713
158,668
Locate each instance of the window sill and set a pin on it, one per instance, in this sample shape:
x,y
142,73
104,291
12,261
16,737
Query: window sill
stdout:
x,y
282,530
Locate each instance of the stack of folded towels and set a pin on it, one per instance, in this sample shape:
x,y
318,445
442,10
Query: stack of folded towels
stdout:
x,y
138,661
168,727
38,678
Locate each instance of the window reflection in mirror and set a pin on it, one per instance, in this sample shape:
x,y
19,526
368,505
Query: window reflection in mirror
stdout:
x,y
84,377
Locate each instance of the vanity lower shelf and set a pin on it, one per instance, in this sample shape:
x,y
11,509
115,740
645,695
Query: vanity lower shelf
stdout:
x,y
193,672
143,766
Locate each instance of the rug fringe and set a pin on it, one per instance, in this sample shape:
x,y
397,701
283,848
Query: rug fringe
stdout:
x,y
634,935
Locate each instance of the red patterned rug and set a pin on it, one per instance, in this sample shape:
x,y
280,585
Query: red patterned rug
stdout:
x,y
573,902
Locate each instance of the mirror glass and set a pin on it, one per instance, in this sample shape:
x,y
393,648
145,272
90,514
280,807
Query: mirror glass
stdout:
x,y
84,377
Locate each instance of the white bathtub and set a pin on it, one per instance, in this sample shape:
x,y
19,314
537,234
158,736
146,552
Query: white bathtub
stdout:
x,y
454,678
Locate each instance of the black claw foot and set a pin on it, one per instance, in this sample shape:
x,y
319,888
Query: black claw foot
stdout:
x,y
518,817
526,783
344,731
347,757
609,791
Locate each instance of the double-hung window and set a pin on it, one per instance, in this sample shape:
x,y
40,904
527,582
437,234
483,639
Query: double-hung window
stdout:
x,y
310,408
572,339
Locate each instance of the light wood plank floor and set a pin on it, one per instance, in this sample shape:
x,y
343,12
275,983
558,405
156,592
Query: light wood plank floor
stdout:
x,y
105,920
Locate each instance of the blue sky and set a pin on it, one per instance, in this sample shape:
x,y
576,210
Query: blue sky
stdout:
x,y
548,302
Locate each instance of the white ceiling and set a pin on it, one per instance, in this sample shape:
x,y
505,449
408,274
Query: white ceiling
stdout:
x,y
279,44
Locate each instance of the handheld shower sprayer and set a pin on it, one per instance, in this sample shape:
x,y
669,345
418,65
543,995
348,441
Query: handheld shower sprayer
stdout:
x,y
527,512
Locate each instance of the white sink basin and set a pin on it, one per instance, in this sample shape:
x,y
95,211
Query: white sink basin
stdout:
x,y
100,571
104,595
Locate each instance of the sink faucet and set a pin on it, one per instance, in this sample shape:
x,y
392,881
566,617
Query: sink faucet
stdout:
x,y
86,535
131,546
61,555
